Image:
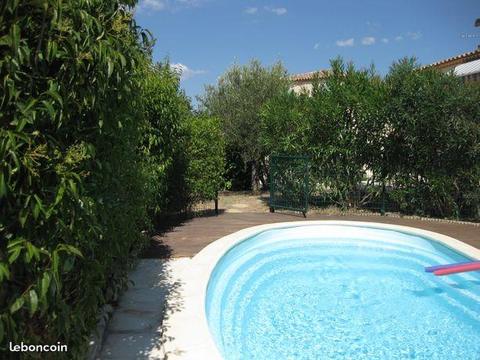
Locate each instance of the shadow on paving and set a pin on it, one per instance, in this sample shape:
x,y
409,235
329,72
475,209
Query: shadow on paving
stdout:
x,y
136,327
157,248
265,199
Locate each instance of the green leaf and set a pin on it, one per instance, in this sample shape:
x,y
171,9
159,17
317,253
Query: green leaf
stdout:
x,y
109,68
4,40
49,107
51,50
31,102
70,249
3,185
33,303
123,61
38,205
4,272
15,243
45,284
55,261
55,95
36,211
14,254
22,217
15,37
17,305
59,196
73,187
32,251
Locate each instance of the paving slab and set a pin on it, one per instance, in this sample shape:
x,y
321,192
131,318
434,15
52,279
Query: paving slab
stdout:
x,y
136,327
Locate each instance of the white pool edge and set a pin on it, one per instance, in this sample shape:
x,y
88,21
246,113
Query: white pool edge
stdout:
x,y
186,331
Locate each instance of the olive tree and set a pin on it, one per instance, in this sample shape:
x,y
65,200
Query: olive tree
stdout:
x,y
237,100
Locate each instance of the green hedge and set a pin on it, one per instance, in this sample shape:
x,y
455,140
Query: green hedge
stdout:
x,y
167,111
206,151
185,151
95,141
431,153
338,127
416,130
73,185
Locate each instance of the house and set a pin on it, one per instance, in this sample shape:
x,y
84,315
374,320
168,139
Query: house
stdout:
x,y
303,83
466,66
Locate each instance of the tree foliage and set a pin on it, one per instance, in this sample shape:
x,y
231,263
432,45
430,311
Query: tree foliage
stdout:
x,y
185,151
71,178
416,130
432,150
166,110
94,139
338,126
237,100
206,150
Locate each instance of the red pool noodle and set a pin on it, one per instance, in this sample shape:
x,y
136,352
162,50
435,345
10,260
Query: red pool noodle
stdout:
x,y
448,266
475,266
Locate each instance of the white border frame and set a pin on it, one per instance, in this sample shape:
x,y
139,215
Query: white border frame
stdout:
x,y
187,332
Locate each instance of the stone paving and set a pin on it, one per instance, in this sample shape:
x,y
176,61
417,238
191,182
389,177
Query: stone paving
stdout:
x,y
135,329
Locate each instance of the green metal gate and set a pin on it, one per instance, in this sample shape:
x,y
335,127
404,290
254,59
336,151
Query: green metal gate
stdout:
x,y
289,183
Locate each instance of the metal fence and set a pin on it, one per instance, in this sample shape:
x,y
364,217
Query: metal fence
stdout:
x,y
376,198
293,186
289,183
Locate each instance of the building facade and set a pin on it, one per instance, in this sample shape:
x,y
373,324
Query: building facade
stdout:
x,y
303,83
465,66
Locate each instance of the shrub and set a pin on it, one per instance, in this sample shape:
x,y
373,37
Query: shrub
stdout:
x,y
167,111
206,151
432,153
338,126
72,181
417,130
285,124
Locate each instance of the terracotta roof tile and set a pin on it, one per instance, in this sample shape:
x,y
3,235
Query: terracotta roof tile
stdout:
x,y
455,60
309,75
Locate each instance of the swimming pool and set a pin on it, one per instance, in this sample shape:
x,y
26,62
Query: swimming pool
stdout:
x,y
341,291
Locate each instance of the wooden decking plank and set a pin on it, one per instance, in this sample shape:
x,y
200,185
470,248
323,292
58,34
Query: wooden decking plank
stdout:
x,y
193,235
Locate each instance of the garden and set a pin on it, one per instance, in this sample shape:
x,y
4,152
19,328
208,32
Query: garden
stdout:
x,y
99,144
409,138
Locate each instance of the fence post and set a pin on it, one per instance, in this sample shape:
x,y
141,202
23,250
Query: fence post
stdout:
x,y
271,199
382,209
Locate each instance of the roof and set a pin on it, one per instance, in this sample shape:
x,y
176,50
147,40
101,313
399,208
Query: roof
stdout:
x,y
309,75
470,68
456,60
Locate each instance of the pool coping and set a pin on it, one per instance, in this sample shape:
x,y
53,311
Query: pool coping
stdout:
x,y
186,332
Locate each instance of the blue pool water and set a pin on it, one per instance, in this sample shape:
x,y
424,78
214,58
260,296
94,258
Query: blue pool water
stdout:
x,y
342,292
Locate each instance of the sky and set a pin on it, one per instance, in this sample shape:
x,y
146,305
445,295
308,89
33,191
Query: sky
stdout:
x,y
204,38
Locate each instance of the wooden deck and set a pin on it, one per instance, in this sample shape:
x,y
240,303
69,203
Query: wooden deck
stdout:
x,y
190,236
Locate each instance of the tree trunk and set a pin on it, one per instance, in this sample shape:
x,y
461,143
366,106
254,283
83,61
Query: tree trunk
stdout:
x,y
255,177
264,176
